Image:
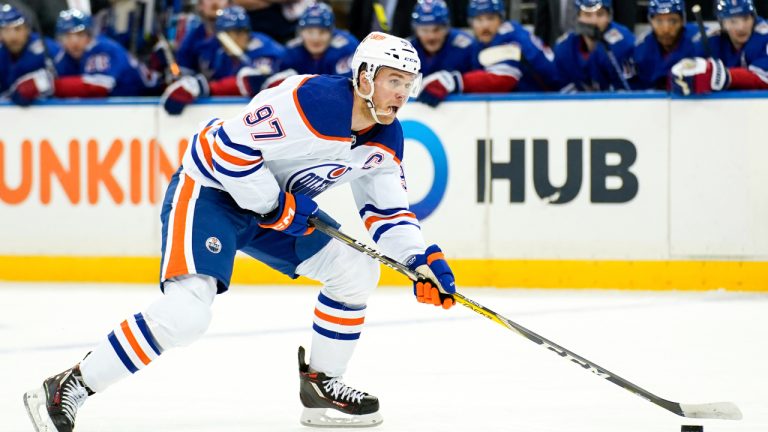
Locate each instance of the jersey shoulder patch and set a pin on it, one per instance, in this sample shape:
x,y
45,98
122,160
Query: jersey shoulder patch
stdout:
x,y
613,36
506,27
295,42
761,28
36,47
339,41
461,40
255,44
640,40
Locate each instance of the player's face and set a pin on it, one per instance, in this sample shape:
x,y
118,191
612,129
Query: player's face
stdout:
x,y
667,28
316,40
208,8
14,37
739,28
241,37
485,26
432,37
392,88
75,43
600,18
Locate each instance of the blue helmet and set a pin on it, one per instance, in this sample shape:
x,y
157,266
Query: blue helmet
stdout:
x,y
730,8
10,16
232,18
593,5
479,7
658,7
317,15
430,12
73,21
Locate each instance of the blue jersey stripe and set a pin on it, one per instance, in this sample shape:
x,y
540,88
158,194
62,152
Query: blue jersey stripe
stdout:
x,y
386,227
200,166
322,298
221,133
383,212
221,169
148,334
335,335
121,353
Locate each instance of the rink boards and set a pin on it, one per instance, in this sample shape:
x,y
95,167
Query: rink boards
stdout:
x,y
621,191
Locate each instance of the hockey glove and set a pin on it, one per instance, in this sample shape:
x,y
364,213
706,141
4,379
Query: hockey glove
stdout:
x,y
437,86
183,92
439,284
250,80
291,215
277,78
32,86
699,75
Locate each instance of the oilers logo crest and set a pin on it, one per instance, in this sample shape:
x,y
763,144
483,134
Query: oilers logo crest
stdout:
x,y
315,179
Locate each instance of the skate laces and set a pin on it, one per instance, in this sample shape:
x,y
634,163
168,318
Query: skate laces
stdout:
x,y
339,390
72,398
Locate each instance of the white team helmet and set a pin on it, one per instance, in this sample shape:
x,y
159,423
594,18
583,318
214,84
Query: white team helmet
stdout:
x,y
381,49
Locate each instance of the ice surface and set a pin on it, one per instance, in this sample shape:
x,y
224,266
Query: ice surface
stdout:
x,y
432,370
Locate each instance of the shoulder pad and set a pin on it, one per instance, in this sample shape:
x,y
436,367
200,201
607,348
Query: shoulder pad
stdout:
x,y
462,40
293,43
506,27
255,44
37,47
339,41
761,28
613,36
642,37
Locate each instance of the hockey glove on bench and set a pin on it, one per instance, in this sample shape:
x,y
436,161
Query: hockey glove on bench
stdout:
x,y
439,284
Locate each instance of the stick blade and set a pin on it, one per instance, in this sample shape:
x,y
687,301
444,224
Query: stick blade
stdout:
x,y
717,410
499,53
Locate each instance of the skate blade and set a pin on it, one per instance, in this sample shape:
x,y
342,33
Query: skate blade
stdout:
x,y
326,417
35,403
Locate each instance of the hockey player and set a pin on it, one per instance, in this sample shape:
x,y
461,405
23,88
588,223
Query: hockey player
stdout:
x,y
534,71
320,48
23,74
96,66
228,74
597,55
738,58
669,41
199,36
440,47
247,183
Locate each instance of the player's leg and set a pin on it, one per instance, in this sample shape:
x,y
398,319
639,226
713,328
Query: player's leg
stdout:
x,y
348,280
193,272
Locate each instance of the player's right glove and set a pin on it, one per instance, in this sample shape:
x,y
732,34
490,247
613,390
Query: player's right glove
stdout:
x,y
32,86
277,78
438,85
183,92
699,75
291,215
439,284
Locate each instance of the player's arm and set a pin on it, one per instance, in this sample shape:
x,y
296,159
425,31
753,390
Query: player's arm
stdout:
x,y
704,75
499,78
383,206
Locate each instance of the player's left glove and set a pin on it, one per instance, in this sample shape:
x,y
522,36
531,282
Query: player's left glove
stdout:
x,y
439,284
250,80
699,75
32,86
278,78
183,92
438,85
291,215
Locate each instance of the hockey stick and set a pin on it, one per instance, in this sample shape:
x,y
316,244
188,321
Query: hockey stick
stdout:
x,y
717,410
696,9
499,53
233,48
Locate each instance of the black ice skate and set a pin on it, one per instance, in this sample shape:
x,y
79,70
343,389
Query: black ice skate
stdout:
x,y
328,402
52,407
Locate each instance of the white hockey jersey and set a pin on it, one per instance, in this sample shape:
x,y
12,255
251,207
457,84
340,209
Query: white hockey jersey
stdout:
x,y
297,137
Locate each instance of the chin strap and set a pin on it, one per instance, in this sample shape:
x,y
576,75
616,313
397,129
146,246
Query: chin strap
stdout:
x,y
368,99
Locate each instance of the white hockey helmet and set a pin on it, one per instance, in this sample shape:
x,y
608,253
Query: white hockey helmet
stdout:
x,y
381,49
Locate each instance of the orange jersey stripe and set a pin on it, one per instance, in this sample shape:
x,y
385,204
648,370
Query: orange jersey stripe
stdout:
x,y
134,343
337,320
304,117
177,262
205,145
434,257
386,149
373,219
234,160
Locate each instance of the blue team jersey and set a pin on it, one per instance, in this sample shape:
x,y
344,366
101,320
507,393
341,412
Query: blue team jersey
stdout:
x,y
536,68
196,42
106,63
457,53
753,55
262,50
336,60
653,64
595,71
32,58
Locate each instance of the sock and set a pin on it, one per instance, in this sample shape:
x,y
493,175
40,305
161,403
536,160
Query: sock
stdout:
x,y
336,328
